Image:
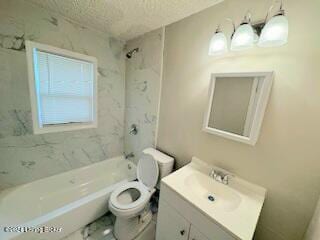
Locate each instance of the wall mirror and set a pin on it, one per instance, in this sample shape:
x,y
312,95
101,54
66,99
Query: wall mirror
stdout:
x,y
236,105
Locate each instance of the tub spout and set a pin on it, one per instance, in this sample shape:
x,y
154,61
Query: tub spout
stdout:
x,y
129,155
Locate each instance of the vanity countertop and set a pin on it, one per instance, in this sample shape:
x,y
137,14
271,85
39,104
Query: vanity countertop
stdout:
x,y
235,207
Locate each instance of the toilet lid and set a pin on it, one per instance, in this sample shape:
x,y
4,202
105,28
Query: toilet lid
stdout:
x,y
148,171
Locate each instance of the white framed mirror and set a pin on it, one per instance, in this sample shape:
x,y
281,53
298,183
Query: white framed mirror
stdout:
x,y
236,105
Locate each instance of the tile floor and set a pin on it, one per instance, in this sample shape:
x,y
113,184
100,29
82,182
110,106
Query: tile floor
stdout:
x,y
101,229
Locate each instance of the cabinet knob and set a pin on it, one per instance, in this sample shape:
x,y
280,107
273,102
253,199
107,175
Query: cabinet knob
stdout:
x,y
182,232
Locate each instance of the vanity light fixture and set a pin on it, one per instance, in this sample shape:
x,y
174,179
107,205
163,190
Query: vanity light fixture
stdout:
x,y
266,33
218,43
275,32
243,37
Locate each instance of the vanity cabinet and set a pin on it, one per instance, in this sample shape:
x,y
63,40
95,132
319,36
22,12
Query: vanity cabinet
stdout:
x,y
179,220
196,235
171,224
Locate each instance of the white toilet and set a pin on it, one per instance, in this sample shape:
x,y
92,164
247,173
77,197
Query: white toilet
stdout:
x,y
130,202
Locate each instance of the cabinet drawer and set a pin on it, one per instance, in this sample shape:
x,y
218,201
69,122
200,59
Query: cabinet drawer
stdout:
x,y
170,224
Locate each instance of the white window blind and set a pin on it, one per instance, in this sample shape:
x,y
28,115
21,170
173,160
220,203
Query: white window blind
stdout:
x,y
65,89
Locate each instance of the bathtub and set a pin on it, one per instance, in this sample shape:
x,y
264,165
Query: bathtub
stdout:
x,y
53,207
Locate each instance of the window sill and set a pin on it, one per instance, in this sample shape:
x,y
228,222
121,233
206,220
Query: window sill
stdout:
x,y
63,128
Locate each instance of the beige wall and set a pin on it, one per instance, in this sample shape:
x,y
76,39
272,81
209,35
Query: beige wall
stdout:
x,y
285,159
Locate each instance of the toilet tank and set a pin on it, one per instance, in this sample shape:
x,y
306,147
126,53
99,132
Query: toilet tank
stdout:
x,y
165,162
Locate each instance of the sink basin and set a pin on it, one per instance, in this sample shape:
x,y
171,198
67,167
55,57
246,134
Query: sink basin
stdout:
x,y
212,192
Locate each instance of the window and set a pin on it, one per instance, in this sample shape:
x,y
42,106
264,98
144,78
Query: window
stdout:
x,y
63,89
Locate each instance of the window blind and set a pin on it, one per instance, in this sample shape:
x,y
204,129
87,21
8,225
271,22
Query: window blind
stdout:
x,y
65,89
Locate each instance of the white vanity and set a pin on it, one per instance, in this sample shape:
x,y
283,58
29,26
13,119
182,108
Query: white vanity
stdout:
x,y
194,206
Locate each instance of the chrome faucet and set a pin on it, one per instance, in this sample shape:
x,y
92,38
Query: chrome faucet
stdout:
x,y
220,176
129,155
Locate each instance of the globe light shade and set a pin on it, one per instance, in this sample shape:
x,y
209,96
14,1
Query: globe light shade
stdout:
x,y
275,33
218,44
243,38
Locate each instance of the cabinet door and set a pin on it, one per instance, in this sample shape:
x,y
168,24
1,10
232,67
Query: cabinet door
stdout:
x,y
196,235
170,224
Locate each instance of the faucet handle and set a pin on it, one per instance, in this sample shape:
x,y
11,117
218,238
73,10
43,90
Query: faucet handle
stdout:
x,y
221,175
211,174
225,179
215,173
133,130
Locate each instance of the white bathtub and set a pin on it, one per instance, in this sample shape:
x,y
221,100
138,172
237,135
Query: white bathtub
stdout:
x,y
69,200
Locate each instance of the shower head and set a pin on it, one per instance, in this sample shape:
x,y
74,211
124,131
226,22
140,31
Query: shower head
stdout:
x,y
132,52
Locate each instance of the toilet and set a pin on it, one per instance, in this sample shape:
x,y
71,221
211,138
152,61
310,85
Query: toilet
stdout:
x,y
130,202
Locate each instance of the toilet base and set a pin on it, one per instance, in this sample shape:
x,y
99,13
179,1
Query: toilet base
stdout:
x,y
149,233
130,228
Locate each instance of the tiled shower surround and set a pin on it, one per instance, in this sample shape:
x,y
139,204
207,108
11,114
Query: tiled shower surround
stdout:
x,y
143,74
25,157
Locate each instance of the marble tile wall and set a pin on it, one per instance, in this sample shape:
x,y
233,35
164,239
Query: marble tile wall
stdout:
x,y
25,157
143,83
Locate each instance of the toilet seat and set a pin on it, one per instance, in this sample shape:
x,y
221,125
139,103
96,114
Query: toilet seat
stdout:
x,y
147,173
143,198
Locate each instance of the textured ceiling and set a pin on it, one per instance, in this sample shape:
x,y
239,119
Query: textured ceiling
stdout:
x,y
126,19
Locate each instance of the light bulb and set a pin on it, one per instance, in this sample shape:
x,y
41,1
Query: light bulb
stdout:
x,y
218,44
275,33
243,37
